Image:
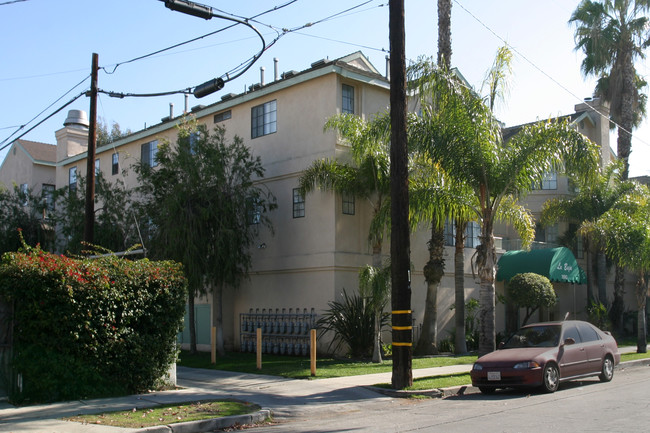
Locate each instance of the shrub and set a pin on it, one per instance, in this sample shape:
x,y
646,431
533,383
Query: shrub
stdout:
x,y
351,322
531,291
89,328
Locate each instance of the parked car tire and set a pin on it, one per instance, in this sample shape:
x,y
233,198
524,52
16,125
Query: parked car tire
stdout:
x,y
608,370
550,378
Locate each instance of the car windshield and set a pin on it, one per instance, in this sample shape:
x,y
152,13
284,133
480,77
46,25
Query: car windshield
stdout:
x,y
535,336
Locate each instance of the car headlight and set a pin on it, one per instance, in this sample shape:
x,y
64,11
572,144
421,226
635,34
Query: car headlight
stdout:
x,y
526,365
477,367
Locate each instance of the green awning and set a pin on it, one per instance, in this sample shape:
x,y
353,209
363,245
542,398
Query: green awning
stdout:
x,y
557,264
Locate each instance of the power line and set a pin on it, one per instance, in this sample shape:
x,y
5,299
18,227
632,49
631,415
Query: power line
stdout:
x,y
560,85
43,111
4,146
12,1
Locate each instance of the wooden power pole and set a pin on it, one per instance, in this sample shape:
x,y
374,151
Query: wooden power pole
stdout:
x,y
89,220
399,193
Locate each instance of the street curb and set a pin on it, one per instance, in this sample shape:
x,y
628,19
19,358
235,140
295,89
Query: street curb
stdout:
x,y
213,424
469,389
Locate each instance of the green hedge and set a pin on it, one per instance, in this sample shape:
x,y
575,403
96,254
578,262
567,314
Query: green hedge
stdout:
x,y
90,327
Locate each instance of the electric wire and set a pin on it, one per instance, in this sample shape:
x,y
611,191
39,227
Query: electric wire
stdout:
x,y
87,77
560,85
3,146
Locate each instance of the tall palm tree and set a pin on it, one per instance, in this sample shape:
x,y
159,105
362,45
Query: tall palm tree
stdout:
x,y
434,269
366,177
444,33
625,231
458,130
434,198
613,34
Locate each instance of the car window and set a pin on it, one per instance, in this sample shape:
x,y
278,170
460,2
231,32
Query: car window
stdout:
x,y
570,331
587,332
534,336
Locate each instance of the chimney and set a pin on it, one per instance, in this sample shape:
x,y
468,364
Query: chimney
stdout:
x,y
171,110
262,69
72,139
187,99
276,71
388,68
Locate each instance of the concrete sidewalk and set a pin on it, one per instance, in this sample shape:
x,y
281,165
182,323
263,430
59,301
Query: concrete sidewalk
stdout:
x,y
287,398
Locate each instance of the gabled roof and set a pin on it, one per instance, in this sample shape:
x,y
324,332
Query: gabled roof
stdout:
x,y
37,151
578,116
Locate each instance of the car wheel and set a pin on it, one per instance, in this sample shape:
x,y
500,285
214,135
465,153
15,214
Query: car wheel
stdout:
x,y
551,378
607,372
486,389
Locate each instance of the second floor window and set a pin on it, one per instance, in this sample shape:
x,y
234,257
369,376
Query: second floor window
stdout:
x,y
148,153
72,179
264,119
115,163
348,99
549,181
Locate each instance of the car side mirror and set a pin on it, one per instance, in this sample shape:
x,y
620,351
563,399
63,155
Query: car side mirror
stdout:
x,y
501,345
569,341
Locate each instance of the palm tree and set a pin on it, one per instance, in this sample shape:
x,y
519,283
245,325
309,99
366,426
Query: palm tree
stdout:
x,y
625,231
434,198
444,33
612,35
374,287
590,203
366,177
458,130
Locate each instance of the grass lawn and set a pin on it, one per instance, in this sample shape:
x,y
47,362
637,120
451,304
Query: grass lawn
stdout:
x,y
171,414
299,368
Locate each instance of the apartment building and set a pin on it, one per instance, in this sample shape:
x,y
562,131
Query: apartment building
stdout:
x,y
320,241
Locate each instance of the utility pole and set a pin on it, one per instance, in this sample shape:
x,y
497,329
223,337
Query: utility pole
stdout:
x,y
400,248
89,220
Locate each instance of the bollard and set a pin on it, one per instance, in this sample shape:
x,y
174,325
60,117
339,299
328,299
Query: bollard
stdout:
x,y
259,348
312,352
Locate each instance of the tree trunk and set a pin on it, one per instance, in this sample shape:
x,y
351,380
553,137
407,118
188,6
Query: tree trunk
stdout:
x,y
217,316
626,122
618,305
444,34
376,350
590,272
433,273
641,297
400,247
486,259
460,343
601,271
192,320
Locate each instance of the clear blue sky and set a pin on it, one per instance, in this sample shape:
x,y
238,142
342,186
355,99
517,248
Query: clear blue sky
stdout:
x,y
47,47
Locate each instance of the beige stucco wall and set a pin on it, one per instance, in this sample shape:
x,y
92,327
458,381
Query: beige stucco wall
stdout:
x,y
18,168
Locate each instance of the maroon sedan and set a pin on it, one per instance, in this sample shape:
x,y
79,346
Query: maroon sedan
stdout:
x,y
545,354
